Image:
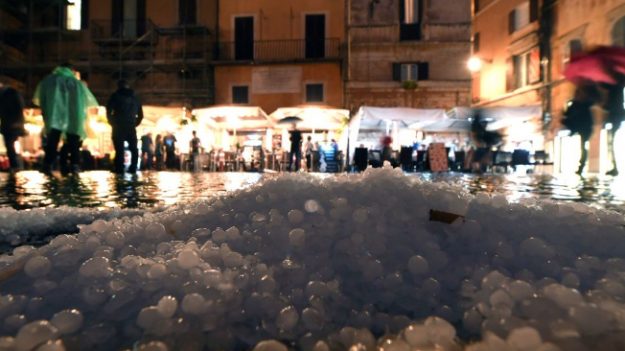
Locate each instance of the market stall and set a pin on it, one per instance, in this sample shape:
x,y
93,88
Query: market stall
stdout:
x,y
371,123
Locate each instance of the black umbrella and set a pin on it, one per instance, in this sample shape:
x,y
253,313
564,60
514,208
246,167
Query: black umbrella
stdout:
x,y
290,120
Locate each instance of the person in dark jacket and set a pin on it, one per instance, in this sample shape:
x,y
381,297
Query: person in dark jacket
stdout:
x,y
579,118
12,121
124,113
296,149
147,151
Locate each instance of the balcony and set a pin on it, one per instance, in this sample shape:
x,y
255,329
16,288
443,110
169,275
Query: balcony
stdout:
x,y
393,33
280,50
447,32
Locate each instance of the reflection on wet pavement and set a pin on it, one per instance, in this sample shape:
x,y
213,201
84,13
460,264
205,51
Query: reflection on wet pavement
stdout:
x,y
30,189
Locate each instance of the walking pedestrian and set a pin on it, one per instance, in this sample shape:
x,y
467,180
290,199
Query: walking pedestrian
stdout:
x,y
195,145
615,116
124,113
579,118
170,150
158,151
64,100
308,153
12,118
296,148
147,153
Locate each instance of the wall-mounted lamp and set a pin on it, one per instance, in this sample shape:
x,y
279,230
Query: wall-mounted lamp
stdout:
x,y
475,63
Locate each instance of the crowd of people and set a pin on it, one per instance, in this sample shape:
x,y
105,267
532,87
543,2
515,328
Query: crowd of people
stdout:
x,y
316,157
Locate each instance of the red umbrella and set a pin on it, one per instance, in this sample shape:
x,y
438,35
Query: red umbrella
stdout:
x,y
614,56
589,67
601,64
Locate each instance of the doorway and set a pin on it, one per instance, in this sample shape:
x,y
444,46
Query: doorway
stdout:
x,y
315,36
244,38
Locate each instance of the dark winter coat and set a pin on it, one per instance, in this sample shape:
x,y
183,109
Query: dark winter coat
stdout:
x,y
579,118
614,104
124,109
11,112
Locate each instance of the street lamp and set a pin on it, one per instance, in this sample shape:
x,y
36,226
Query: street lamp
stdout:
x,y
475,63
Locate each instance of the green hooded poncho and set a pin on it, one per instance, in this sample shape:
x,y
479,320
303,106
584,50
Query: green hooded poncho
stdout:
x,y
64,101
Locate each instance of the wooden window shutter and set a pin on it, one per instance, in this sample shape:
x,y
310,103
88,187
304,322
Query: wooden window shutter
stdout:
x,y
397,71
533,10
424,70
510,83
511,22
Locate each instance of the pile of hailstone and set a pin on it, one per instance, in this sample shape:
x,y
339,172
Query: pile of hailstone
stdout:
x,y
39,224
348,263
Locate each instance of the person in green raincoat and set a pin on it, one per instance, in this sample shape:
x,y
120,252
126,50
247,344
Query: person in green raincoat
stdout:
x,y
64,100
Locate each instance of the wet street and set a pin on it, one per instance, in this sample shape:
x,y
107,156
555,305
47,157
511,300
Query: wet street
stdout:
x,y
102,189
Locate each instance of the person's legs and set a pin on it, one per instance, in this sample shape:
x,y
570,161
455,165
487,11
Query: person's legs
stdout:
x,y
73,144
298,159
64,158
131,138
9,143
52,142
611,154
290,161
118,144
149,160
584,157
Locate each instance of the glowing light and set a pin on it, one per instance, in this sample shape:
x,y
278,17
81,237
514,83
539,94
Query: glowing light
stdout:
x,y
32,128
474,64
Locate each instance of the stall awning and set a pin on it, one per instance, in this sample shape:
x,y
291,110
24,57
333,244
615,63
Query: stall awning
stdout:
x,y
231,117
500,116
314,117
382,117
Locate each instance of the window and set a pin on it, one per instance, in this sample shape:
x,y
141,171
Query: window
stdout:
x,y
573,47
618,33
411,71
410,15
522,15
74,15
314,92
525,69
476,42
476,6
187,10
240,94
411,11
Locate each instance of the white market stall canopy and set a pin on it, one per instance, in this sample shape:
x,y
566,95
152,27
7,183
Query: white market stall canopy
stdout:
x,y
448,125
382,118
230,117
318,118
500,116
164,118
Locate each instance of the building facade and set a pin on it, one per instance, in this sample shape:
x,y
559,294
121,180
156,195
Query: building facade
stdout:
x,y
408,53
280,53
524,46
162,47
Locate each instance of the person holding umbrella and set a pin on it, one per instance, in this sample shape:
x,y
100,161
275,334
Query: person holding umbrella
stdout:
x,y
579,117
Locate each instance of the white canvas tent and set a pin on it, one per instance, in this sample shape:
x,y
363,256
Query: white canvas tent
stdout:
x,y
236,118
500,116
390,120
314,118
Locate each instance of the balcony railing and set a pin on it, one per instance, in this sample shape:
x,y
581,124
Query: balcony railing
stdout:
x,y
280,50
447,32
444,32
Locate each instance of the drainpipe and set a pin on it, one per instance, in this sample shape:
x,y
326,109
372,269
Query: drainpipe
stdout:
x,y
545,33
